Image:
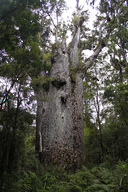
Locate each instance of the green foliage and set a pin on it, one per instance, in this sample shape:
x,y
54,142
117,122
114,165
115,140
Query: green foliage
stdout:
x,y
55,179
15,126
20,57
76,20
29,182
112,86
41,81
47,57
121,175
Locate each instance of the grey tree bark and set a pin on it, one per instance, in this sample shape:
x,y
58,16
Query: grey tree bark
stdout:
x,y
60,117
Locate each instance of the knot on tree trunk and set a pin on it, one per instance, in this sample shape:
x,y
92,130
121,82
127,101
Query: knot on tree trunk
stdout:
x,y
58,81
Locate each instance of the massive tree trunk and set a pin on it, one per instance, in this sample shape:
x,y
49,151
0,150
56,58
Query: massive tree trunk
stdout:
x,y
60,108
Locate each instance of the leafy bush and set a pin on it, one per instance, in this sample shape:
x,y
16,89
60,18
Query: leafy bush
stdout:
x,y
121,175
40,178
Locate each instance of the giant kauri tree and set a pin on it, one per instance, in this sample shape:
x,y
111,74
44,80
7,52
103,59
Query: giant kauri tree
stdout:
x,y
60,101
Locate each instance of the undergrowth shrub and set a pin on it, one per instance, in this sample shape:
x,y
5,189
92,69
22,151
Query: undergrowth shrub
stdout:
x,y
121,175
38,178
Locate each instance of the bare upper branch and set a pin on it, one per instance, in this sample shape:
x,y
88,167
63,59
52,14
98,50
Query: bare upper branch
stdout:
x,y
98,49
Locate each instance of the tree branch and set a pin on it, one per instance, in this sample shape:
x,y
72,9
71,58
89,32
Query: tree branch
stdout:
x,y
73,50
50,18
100,46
